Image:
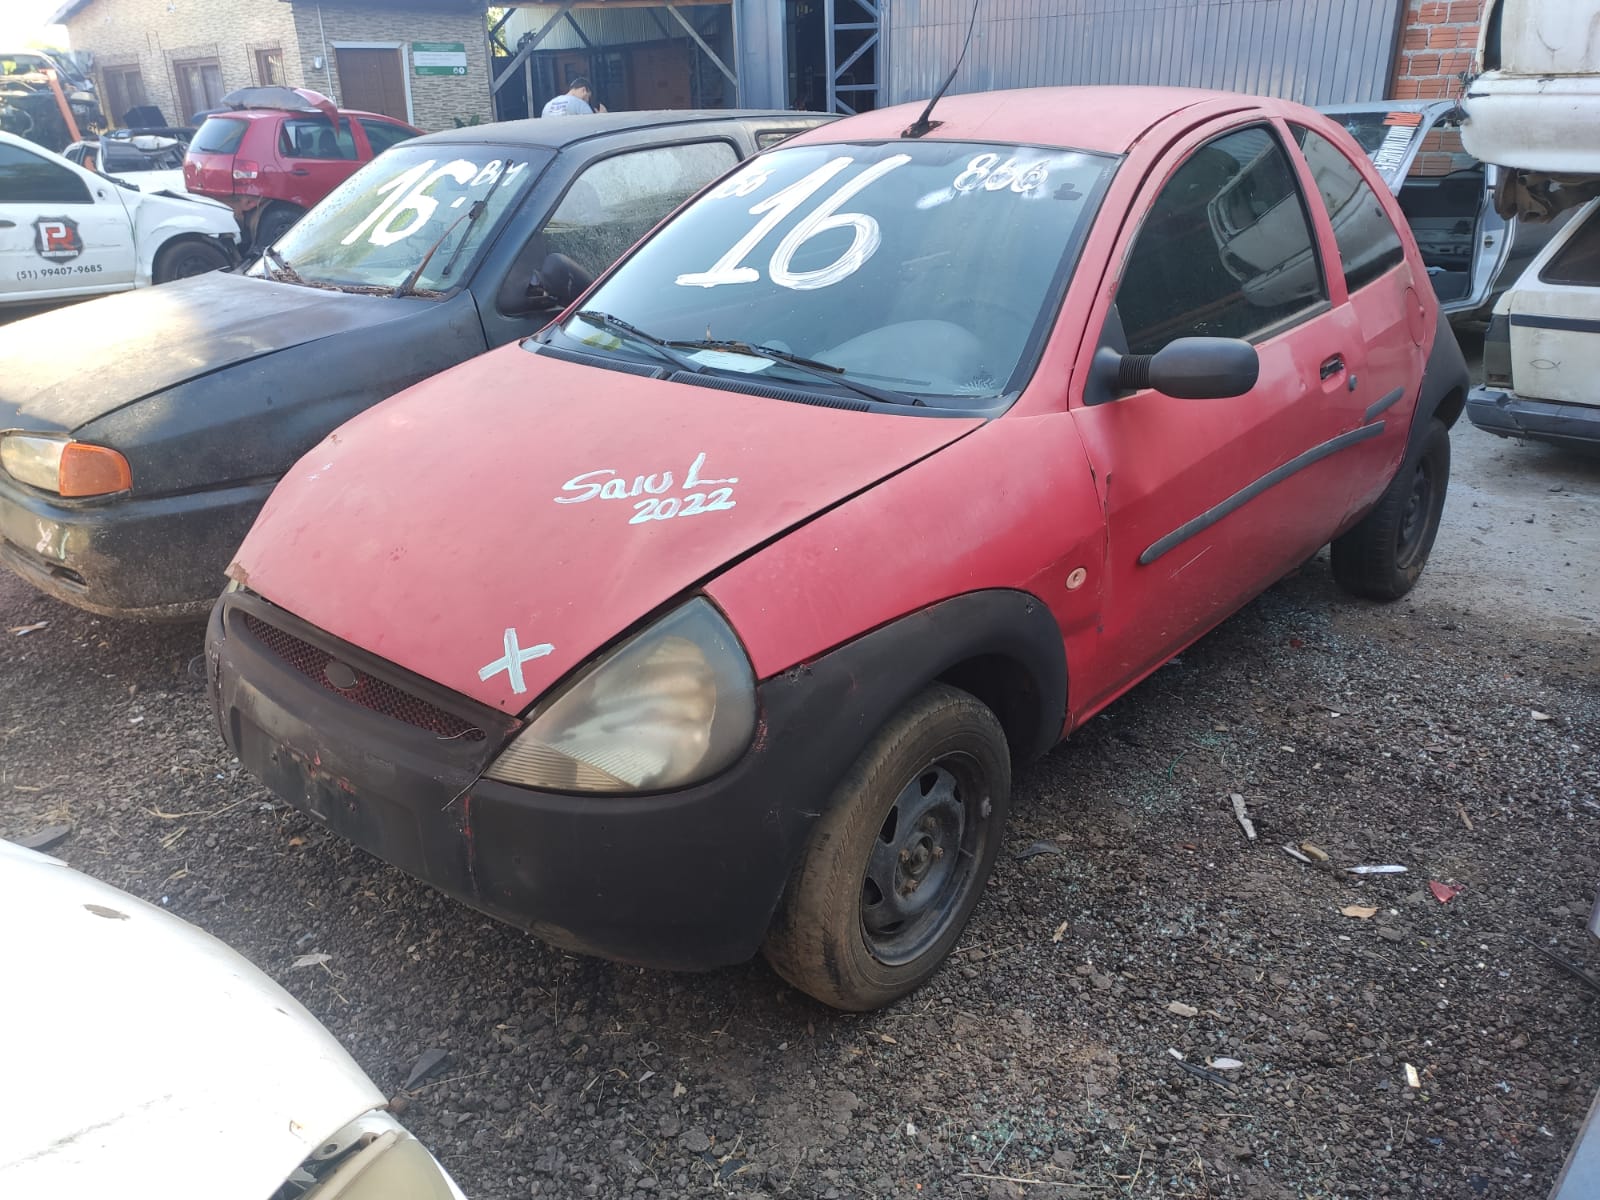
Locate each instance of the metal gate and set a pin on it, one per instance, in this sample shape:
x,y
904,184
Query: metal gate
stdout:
x,y
1314,51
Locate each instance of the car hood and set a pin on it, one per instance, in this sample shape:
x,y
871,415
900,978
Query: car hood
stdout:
x,y
65,368
148,1057
467,513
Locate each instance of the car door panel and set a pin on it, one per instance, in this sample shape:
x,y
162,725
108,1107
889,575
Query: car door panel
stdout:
x,y
1206,502
64,231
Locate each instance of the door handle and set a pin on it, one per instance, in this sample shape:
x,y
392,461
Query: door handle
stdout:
x,y
8,224
1332,366
299,171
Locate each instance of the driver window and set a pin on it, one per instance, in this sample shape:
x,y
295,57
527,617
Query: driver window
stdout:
x,y
1226,250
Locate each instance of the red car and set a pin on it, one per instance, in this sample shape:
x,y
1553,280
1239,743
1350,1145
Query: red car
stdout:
x,y
713,618
280,152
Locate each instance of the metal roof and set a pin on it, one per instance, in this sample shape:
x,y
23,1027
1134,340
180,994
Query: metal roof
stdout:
x,y
555,132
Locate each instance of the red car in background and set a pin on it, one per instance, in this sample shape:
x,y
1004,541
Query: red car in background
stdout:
x,y
712,618
280,151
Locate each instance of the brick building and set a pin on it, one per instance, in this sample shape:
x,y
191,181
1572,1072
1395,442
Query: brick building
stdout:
x,y
1435,48
422,61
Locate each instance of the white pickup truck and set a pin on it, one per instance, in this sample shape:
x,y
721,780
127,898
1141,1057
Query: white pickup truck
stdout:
x,y
1531,106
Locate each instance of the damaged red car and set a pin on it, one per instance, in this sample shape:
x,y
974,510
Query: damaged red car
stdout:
x,y
713,619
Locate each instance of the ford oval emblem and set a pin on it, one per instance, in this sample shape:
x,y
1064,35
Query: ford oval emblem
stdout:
x,y
340,675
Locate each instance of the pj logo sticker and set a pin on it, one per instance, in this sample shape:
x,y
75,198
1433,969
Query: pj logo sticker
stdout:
x,y
57,238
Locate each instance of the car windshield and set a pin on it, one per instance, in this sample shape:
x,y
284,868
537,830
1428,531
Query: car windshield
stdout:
x,y
930,268
379,226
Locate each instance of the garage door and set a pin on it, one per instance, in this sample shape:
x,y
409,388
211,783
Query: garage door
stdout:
x,y
1314,51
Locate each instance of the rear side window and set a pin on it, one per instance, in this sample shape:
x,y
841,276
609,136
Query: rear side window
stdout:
x,y
382,135
1578,260
1225,250
219,135
1369,244
618,200
314,137
25,178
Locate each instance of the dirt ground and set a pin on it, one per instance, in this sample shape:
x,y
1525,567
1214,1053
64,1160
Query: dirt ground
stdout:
x,y
1455,733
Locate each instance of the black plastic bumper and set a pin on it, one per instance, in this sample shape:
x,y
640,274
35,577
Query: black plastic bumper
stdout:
x,y
128,556
686,879
1511,415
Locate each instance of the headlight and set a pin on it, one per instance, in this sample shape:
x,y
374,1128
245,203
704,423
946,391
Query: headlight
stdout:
x,y
669,707
64,467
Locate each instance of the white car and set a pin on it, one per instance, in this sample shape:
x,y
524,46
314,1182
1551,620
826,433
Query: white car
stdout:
x,y
1541,355
144,1056
151,162
67,232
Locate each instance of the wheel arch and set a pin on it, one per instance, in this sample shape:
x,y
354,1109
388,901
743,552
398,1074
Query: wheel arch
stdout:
x,y
1445,382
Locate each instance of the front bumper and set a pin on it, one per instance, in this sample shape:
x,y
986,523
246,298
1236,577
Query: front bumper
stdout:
x,y
681,880
1511,415
158,557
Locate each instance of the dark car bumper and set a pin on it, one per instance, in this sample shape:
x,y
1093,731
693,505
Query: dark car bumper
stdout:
x,y
1511,415
160,557
686,879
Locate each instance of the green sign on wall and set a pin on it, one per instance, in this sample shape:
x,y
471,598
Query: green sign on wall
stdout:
x,y
439,58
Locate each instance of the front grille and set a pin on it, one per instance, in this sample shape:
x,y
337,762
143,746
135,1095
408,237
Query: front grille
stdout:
x,y
368,691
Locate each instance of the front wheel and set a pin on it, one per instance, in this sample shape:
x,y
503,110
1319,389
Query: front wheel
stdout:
x,y
895,866
186,257
1383,556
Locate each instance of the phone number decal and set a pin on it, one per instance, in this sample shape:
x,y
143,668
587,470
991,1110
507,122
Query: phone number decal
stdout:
x,y
52,272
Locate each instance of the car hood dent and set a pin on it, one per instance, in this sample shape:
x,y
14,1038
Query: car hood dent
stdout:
x,y
463,521
148,1051
65,368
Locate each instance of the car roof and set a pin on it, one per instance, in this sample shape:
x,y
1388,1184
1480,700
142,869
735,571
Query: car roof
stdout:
x,y
261,114
555,132
1105,119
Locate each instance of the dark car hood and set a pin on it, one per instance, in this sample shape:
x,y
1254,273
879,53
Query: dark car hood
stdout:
x,y
65,368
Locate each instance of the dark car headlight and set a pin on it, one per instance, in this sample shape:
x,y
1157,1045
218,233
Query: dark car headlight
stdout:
x,y
64,466
671,706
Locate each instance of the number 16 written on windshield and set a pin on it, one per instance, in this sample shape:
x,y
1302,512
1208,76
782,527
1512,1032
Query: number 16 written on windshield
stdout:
x,y
776,207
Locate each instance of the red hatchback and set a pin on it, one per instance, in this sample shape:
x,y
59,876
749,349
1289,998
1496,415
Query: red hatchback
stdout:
x,y
271,164
713,618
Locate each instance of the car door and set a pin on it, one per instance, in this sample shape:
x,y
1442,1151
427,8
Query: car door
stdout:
x,y
600,200
64,231
315,158
1447,195
1207,502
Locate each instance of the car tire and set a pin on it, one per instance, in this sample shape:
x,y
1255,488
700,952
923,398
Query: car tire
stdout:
x,y
1382,557
921,810
185,257
278,221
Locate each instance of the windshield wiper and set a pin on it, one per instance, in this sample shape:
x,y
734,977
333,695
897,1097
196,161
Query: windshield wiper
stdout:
x,y
282,264
810,366
471,218
618,326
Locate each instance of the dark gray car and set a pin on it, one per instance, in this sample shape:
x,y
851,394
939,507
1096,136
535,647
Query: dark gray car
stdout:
x,y
140,434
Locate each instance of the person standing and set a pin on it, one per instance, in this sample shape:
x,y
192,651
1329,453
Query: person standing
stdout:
x,y
574,102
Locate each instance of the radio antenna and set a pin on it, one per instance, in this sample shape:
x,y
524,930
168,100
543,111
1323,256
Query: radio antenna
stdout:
x,y
922,124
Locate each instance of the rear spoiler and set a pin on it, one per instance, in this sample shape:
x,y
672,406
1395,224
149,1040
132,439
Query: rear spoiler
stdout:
x,y
285,98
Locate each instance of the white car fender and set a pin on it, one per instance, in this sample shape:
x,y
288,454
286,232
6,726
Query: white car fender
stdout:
x,y
158,218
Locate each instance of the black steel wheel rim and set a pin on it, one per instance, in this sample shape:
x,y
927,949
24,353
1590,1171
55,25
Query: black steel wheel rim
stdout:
x,y
1414,521
925,859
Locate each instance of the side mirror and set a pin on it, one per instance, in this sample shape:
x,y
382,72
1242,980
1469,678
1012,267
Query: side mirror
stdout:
x,y
563,278
1191,368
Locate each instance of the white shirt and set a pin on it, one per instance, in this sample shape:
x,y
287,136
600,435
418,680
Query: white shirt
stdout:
x,y
566,105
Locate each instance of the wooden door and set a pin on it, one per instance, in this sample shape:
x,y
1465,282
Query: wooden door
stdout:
x,y
373,81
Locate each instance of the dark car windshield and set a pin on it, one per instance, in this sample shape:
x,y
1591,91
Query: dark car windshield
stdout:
x,y
929,268
379,225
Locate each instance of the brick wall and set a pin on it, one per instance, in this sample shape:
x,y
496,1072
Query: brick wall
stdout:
x,y
436,100
1436,46
154,35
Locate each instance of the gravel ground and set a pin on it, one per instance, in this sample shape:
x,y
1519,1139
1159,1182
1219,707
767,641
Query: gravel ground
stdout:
x,y
1128,918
